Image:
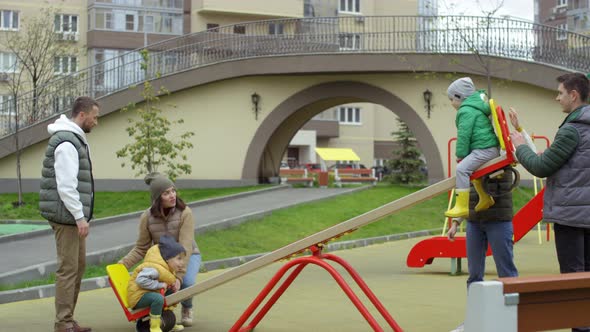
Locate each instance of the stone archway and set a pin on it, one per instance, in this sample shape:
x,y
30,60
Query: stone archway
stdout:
x,y
286,119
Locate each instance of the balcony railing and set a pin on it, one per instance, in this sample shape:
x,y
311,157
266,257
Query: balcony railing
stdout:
x,y
505,38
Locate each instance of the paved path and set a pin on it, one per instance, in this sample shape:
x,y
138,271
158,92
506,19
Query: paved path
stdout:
x,y
41,249
420,300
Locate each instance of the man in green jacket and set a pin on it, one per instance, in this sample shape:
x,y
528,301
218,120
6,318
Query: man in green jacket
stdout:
x,y
476,143
566,165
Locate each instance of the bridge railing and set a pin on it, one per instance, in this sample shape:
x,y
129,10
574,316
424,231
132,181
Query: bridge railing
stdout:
x,y
499,37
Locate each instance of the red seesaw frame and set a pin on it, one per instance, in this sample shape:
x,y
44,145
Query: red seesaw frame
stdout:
x,y
318,259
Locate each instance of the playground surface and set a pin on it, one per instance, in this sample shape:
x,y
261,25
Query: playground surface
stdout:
x,y
425,299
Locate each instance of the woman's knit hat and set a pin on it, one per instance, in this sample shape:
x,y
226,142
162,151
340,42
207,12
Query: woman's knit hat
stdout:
x,y
158,184
461,88
169,248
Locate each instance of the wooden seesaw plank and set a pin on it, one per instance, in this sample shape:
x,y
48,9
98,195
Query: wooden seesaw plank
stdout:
x,y
320,237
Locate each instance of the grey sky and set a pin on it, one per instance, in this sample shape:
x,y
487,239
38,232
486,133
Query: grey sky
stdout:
x,y
515,8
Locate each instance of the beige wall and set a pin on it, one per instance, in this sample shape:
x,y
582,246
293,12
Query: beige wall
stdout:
x,y
397,7
385,121
201,19
282,8
221,116
358,137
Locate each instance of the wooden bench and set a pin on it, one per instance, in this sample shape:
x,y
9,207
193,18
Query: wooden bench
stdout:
x,y
354,176
295,176
535,303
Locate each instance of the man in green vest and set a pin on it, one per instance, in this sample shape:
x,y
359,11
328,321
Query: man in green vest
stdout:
x,y
566,165
66,200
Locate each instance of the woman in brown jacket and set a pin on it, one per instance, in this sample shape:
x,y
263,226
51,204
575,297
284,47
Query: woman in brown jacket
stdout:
x,y
168,214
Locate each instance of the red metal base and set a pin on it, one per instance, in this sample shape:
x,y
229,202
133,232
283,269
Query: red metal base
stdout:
x,y
318,259
425,251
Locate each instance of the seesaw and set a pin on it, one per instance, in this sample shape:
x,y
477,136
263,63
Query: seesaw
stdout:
x,y
314,243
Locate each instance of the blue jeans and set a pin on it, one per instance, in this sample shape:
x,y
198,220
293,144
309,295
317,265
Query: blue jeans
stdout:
x,y
194,264
499,236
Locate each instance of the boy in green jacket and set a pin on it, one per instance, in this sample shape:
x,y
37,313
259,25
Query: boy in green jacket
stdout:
x,y
476,143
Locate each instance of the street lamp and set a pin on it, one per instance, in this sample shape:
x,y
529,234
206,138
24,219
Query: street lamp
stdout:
x,y
427,94
255,100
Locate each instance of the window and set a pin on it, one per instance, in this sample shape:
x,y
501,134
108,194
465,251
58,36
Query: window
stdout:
x,y
66,23
7,62
62,103
349,115
214,27
275,28
561,3
65,65
353,6
562,32
6,114
167,24
104,20
115,68
6,108
8,20
240,29
349,41
130,22
146,23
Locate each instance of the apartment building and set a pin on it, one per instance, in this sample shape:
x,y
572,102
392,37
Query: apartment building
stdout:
x,y
108,29
572,15
68,22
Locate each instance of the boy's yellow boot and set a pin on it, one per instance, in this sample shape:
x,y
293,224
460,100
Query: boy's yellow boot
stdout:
x,y
155,323
461,208
485,200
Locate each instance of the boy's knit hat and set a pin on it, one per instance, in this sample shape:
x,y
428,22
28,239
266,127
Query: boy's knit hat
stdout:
x,y
169,247
461,88
158,184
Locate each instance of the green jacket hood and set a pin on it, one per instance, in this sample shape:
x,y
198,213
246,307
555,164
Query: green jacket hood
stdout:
x,y
479,101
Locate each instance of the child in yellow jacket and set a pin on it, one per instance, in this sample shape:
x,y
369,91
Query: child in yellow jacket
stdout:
x,y
158,271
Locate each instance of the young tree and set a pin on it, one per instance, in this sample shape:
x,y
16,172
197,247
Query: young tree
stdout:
x,y
11,104
35,46
38,47
151,148
478,39
406,165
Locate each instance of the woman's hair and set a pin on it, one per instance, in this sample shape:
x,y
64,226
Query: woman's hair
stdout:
x,y
157,209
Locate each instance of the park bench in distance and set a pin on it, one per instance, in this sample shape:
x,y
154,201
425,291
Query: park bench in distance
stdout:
x,y
295,176
354,176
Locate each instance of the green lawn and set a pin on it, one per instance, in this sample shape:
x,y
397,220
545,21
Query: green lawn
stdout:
x,y
288,225
111,203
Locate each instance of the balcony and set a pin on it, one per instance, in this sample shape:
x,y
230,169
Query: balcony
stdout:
x,y
259,8
323,128
175,5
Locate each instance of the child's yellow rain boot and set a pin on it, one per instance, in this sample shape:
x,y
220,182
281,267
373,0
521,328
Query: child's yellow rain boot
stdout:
x,y
177,328
155,323
461,208
485,200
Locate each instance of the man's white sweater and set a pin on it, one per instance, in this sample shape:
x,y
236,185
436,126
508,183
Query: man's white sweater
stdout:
x,y
67,166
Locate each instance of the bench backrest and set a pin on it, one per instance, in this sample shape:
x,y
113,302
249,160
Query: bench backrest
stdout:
x,y
342,171
119,278
301,172
501,127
